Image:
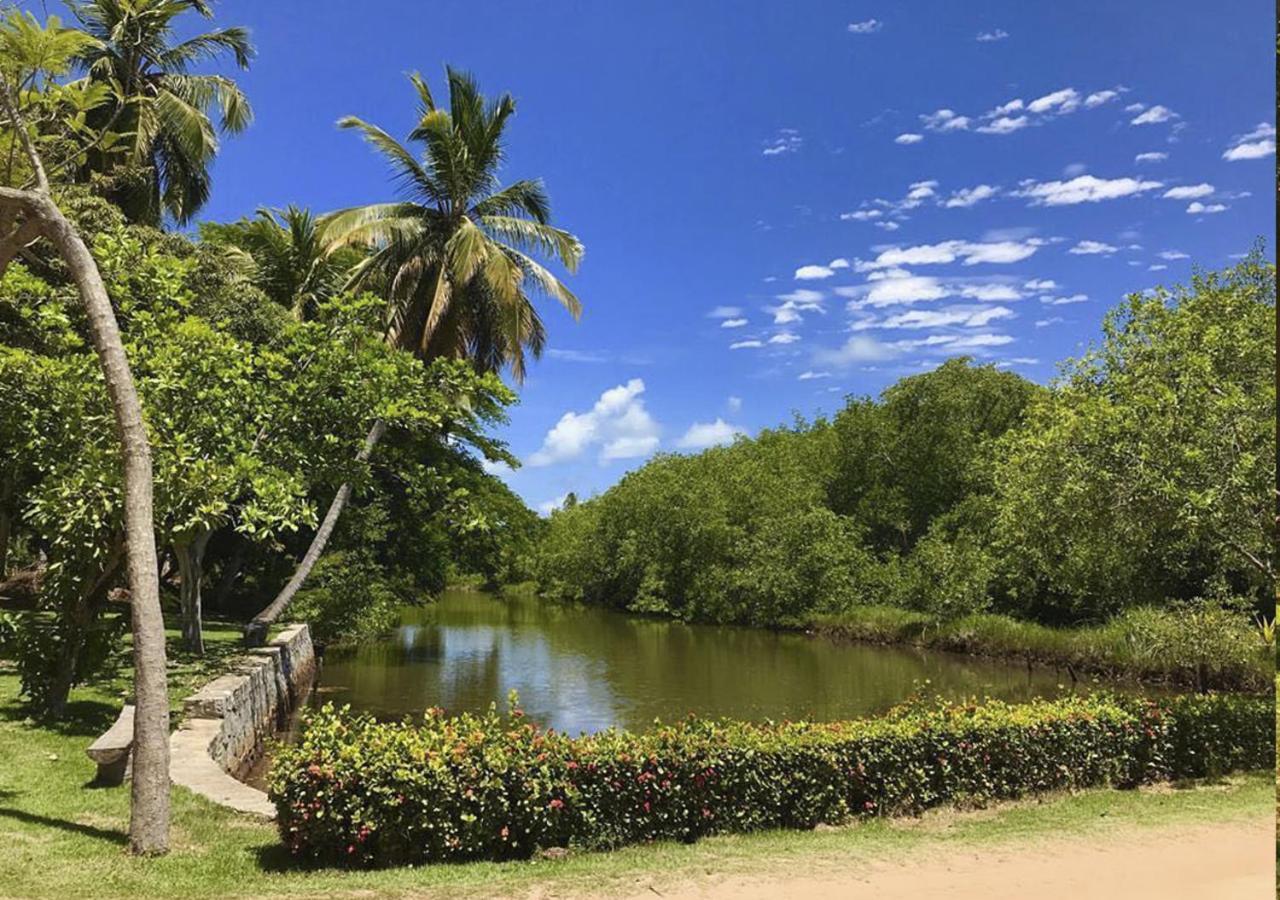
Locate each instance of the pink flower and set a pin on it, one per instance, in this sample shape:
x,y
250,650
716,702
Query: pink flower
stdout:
x,y
557,803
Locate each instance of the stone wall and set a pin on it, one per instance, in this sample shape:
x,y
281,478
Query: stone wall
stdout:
x,y
226,723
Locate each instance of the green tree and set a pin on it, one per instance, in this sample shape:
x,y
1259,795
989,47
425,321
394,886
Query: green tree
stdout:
x,y
159,102
1148,473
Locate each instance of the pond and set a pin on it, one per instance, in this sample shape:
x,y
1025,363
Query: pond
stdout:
x,y
584,668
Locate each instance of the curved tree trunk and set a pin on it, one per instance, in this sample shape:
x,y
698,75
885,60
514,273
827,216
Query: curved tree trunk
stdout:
x,y
190,555
256,631
149,792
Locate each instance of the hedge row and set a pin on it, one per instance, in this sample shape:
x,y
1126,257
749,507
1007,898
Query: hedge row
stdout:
x,y
354,791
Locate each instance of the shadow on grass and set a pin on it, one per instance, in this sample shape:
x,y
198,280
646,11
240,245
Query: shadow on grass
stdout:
x,y
102,834
82,718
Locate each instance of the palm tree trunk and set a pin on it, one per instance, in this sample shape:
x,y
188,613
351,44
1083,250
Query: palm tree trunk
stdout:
x,y
149,792
256,631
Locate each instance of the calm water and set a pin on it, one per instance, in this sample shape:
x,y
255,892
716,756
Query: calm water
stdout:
x,y
584,669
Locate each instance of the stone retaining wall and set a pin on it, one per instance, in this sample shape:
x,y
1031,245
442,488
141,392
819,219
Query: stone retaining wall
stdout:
x,y
225,723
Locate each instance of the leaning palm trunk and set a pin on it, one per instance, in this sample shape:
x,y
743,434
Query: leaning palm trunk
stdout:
x,y
256,631
149,793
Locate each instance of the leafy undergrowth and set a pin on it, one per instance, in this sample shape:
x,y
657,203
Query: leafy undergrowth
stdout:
x,y
1145,644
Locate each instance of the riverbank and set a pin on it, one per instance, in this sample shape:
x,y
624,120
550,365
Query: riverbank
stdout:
x,y
65,840
1143,645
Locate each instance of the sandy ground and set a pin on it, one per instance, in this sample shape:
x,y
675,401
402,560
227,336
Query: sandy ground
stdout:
x,y
1232,861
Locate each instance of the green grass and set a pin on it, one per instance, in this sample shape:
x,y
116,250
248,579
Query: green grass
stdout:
x,y
1148,645
60,838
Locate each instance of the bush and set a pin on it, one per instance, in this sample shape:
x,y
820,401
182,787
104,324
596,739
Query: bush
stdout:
x,y
347,598
355,791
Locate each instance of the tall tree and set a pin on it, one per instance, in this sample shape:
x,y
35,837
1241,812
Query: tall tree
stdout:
x,y
160,102
37,214
291,262
454,258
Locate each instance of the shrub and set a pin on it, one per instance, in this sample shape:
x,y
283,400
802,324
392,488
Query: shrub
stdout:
x,y
348,598
354,791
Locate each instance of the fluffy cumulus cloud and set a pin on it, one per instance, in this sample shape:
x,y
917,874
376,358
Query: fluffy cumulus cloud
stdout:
x,y
1256,144
968,253
618,425
1092,248
1174,254
725,312
1151,156
1097,98
988,37
951,316
1197,208
1062,101
966,197
944,120
547,507
990,292
908,137
733,323
1064,301
702,435
870,26
801,300
1083,189
788,140
1153,116
862,349
1188,191
1004,125
812,272
1041,284
784,337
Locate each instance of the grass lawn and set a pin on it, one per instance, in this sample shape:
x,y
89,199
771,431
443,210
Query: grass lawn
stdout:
x,y
62,839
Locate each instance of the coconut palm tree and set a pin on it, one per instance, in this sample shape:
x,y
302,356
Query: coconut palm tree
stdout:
x,y
454,257
289,256
159,102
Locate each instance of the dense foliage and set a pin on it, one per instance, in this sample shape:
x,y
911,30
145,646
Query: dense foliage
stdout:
x,y
354,791
1143,476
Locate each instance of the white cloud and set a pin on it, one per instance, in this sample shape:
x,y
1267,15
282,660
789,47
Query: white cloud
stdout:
x,y
868,27
908,137
858,349
1157,267
1044,323
1135,107
1188,191
966,197
945,120
1256,144
495,467
784,337
957,316
1092,248
811,273
618,424
1041,284
1062,101
702,435
918,192
1083,189
812,375
975,342
1005,125
1064,301
547,507
1198,208
746,345
1151,156
969,253
734,404
1097,98
888,226
578,356
990,292
725,312
1153,116
788,140
986,37
862,215
793,303
839,263
733,323
1174,254
908,289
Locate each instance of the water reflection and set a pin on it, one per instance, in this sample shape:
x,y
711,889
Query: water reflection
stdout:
x,y
584,669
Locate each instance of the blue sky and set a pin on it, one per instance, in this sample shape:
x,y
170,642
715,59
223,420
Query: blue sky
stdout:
x,y
784,203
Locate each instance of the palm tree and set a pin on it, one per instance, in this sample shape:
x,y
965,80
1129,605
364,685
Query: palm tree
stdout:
x,y
288,252
159,103
455,257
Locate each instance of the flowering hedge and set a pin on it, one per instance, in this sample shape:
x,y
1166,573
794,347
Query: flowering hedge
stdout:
x,y
355,791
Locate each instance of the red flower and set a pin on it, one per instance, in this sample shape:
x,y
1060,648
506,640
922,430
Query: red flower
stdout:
x,y
557,803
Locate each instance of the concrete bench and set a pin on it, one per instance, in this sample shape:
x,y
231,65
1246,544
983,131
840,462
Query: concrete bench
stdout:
x,y
111,750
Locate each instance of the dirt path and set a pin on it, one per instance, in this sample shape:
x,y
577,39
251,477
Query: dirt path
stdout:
x,y
1232,861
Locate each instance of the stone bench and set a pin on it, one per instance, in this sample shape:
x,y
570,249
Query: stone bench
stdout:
x,y
111,750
